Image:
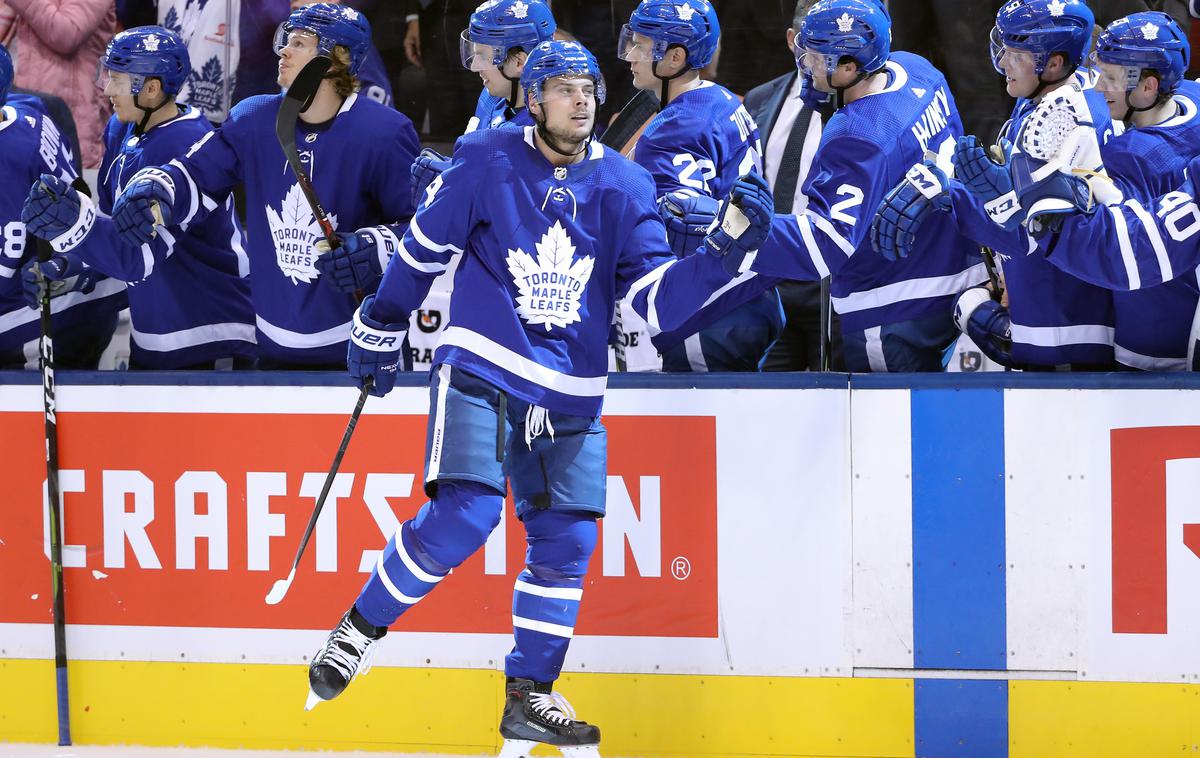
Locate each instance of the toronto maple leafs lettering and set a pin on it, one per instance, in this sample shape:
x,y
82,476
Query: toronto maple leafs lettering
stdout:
x,y
295,232
550,287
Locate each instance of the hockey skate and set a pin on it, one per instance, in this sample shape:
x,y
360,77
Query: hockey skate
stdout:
x,y
346,654
533,715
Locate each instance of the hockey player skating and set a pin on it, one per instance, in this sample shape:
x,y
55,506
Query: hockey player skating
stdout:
x,y
85,309
891,108
700,142
551,229
1052,319
358,154
189,300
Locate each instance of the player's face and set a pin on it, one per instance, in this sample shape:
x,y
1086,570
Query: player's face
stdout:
x,y
1114,81
569,108
118,88
299,48
638,51
1020,72
813,64
498,80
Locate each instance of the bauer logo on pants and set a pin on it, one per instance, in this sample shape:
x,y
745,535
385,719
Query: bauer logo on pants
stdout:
x,y
192,533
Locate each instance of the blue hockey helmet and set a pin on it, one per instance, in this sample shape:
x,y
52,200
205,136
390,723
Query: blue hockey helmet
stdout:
x,y
333,25
857,29
6,74
147,52
1042,28
691,24
555,58
1146,40
498,26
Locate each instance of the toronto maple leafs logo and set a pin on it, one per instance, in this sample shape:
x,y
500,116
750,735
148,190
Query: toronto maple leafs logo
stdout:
x,y
519,9
206,88
685,12
550,287
1057,8
845,22
295,232
1149,31
151,43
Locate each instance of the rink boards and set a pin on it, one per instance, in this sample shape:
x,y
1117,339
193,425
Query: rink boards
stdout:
x,y
809,565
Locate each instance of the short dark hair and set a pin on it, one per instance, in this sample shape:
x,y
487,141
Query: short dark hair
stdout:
x,y
802,7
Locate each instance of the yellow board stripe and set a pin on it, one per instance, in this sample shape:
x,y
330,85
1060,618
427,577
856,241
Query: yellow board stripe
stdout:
x,y
1110,719
454,710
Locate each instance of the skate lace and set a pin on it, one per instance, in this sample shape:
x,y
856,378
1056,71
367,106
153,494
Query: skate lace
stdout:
x,y
537,420
350,664
552,707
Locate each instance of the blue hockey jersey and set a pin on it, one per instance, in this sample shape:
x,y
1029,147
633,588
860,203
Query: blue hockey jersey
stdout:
x,y
492,111
30,145
359,165
1056,318
865,150
702,142
546,253
189,300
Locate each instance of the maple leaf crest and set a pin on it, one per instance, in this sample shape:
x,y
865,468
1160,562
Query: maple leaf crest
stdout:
x,y
519,9
295,233
1057,8
1149,31
205,89
685,12
845,22
550,287
171,22
151,43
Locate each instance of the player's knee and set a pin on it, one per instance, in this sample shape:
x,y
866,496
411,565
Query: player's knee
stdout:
x,y
560,543
456,523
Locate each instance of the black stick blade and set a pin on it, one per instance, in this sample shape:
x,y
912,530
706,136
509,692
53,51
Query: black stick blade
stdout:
x,y
299,96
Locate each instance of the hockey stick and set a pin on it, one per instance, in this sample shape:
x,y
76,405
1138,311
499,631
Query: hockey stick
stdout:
x,y
632,117
280,588
299,96
49,405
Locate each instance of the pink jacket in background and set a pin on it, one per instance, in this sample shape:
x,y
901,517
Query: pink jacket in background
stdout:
x,y
58,46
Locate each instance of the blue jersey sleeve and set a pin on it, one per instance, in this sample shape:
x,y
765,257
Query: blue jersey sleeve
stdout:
x,y
438,232
54,152
664,290
210,169
843,191
1134,245
392,176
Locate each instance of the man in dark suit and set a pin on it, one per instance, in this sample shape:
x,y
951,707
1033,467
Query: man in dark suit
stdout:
x,y
791,131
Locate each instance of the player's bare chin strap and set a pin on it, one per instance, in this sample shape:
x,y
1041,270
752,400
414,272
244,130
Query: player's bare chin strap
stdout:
x,y
552,143
146,112
1043,84
666,83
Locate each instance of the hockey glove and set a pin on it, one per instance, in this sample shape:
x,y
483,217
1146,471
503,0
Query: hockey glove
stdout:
x,y
986,322
145,203
905,208
689,217
61,273
985,174
376,350
358,264
428,166
743,222
57,213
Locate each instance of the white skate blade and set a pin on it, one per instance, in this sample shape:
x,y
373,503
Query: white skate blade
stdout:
x,y
313,699
524,749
